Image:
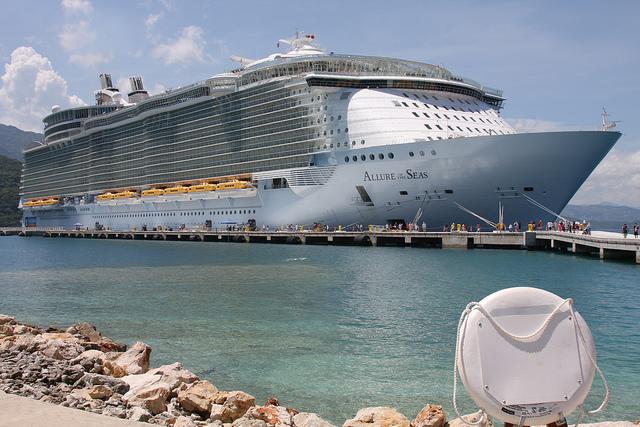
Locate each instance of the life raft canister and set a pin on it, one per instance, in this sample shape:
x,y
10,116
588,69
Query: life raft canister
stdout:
x,y
525,356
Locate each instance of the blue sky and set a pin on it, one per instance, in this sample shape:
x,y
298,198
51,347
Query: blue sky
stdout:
x,y
558,63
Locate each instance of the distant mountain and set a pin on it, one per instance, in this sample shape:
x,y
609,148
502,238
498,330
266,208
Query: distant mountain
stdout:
x,y
14,140
9,183
603,216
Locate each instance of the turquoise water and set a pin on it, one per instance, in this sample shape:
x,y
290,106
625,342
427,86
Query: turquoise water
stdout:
x,y
325,329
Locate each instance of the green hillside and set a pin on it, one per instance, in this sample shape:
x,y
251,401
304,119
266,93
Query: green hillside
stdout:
x,y
9,183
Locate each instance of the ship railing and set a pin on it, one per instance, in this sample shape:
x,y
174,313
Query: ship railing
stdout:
x,y
9,229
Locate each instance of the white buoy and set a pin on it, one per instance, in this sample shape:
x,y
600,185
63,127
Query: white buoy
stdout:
x,y
525,356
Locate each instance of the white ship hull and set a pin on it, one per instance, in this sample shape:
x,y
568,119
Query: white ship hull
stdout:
x,y
476,173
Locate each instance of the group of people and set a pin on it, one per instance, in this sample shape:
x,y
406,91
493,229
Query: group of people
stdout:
x,y
625,230
461,228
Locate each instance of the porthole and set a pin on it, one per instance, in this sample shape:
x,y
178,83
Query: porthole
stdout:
x,y
363,157
390,155
331,118
421,153
433,152
353,143
410,153
346,130
372,156
362,142
355,158
346,159
339,117
381,156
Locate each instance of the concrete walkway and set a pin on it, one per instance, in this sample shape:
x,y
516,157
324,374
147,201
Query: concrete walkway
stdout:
x,y
18,411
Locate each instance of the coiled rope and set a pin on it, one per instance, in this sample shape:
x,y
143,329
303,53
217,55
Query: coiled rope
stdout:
x,y
524,338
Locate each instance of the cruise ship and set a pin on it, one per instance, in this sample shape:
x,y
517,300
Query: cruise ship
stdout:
x,y
303,137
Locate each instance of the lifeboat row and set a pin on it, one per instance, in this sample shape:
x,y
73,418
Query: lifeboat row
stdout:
x,y
49,201
177,189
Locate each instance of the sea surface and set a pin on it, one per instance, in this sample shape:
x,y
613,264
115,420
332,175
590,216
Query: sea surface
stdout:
x,y
325,329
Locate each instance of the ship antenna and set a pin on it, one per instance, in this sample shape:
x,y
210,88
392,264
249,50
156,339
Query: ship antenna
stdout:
x,y
606,123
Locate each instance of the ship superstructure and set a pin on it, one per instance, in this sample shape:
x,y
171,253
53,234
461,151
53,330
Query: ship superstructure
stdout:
x,y
300,137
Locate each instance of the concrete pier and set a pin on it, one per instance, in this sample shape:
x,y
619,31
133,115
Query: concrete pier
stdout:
x,y
605,247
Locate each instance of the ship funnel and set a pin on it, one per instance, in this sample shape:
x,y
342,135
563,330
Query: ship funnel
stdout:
x,y
106,82
137,93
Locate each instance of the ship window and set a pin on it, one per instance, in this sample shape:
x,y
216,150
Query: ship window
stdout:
x,y
465,119
338,145
416,114
421,153
436,107
434,97
439,127
353,143
455,117
325,119
469,129
381,156
362,142
346,130
459,128
339,117
426,115
355,158
480,118
346,159
331,131
472,119
439,137
448,191
363,157
410,153
405,104
397,103
390,155
477,130
331,118
324,134
446,117
428,126
438,116
417,106
427,106
450,128
433,152
405,94
331,146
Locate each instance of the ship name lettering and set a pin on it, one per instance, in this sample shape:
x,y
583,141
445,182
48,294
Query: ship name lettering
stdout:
x,y
379,176
411,174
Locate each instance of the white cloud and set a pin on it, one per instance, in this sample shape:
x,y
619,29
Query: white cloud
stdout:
x,y
74,36
83,7
616,180
152,20
30,86
90,59
188,47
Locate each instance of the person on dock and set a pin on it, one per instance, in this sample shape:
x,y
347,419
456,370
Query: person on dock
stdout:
x,y
625,230
636,230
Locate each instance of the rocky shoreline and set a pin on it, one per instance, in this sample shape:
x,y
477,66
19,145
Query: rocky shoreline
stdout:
x,y
80,368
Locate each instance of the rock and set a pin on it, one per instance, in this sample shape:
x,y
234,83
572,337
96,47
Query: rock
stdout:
x,y
138,414
87,359
270,414
307,419
377,417
235,404
115,384
86,330
173,376
7,320
248,422
6,330
114,411
176,372
430,416
135,360
198,397
184,422
152,398
457,422
100,392
59,346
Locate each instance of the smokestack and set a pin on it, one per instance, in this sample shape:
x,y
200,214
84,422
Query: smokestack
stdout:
x,y
137,93
105,81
